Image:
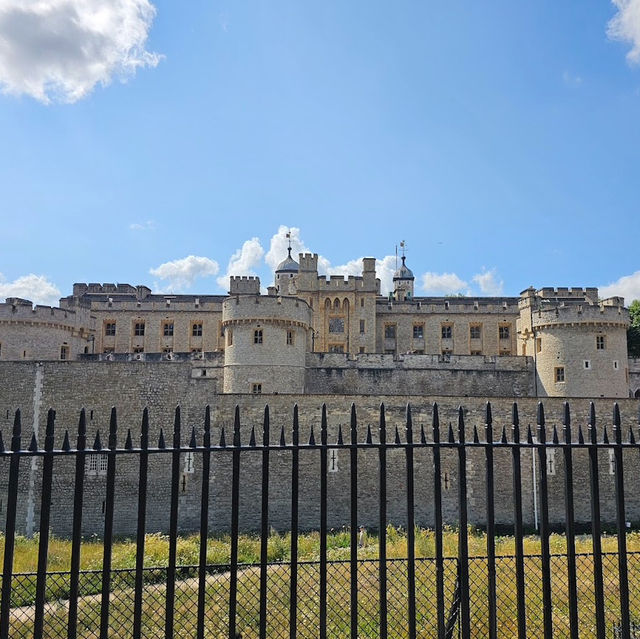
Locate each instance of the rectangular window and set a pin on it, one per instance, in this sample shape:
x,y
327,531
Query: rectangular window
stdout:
x,y
503,332
615,364
167,329
362,349
256,389
196,329
362,302
138,329
109,329
290,338
336,325
418,331
559,374
587,364
601,343
336,348
474,331
361,327
389,331
538,344
447,331
64,352
257,336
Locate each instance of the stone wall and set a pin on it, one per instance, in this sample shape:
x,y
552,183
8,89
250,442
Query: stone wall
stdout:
x,y
453,375
33,387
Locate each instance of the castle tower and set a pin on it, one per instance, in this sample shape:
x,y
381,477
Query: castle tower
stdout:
x,y
403,283
265,344
579,344
286,275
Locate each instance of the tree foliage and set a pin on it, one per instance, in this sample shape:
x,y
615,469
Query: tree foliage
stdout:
x,y
633,334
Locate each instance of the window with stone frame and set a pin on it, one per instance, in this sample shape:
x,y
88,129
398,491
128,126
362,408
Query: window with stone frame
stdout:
x,y
475,331
389,331
418,331
138,329
256,388
109,329
559,374
64,352
601,342
291,338
503,332
167,329
336,324
447,331
257,336
362,325
196,329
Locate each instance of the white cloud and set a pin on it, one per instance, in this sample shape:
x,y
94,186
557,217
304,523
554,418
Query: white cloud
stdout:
x,y
625,27
58,50
243,261
488,283
627,286
181,274
36,288
443,283
149,225
279,244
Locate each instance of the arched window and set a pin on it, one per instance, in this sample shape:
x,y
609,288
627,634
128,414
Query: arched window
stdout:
x,y
345,304
336,304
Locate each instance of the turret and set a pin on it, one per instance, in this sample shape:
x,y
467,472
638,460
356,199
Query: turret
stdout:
x,y
403,283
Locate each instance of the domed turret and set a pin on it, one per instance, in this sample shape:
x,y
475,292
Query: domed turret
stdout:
x,y
288,265
403,282
286,274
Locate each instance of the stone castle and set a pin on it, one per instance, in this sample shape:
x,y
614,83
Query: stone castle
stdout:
x,y
311,334
310,340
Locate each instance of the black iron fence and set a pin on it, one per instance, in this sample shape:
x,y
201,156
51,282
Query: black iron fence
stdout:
x,y
521,595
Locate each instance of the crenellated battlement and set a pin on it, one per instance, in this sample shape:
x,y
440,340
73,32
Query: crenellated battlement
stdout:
x,y
580,314
18,309
139,292
244,285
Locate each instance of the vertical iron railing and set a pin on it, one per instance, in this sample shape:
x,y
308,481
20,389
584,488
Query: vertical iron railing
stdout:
x,y
437,609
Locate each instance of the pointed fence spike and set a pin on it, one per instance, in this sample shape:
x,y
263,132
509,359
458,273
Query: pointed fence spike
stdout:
x,y
605,435
33,445
282,439
488,414
617,423
632,439
252,437
369,439
177,427
266,427
312,438
566,423
397,441
236,427
451,437
128,444
1,443
295,427
223,441
423,437
540,417
113,429
580,434
17,430
97,444
353,424
592,414
340,441
192,442
206,439
503,437
476,438
555,435
529,435
324,426
82,423
66,445
161,442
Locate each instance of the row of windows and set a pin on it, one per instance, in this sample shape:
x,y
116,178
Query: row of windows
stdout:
x,y
139,329
601,344
446,331
258,337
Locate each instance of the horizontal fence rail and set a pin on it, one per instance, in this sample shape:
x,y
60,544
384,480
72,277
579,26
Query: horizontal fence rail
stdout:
x,y
573,594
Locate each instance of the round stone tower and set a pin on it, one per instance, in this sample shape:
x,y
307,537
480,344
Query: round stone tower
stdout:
x,y
265,344
579,344
403,283
286,275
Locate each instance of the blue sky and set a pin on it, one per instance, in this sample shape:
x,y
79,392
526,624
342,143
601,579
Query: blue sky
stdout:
x,y
155,143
